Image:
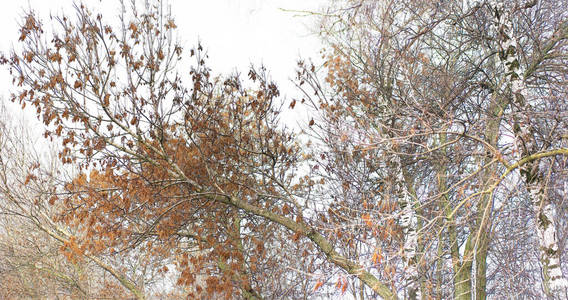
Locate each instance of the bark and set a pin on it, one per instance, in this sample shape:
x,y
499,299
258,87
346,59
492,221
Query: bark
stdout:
x,y
440,266
555,284
409,179
482,239
409,224
461,267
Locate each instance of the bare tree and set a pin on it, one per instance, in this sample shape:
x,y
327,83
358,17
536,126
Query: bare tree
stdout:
x,y
440,109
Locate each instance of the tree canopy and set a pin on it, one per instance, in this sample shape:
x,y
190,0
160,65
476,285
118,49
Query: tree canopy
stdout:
x,y
432,163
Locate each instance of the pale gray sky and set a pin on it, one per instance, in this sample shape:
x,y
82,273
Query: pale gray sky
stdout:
x,y
235,32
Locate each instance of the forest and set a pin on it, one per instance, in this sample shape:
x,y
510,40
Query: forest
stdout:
x,y
430,161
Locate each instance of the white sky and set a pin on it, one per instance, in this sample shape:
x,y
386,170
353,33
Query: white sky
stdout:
x,y
236,33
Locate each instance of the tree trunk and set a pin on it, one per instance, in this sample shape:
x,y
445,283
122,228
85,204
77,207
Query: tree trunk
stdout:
x,y
409,224
555,284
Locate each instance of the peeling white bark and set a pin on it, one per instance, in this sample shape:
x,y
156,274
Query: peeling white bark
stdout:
x,y
409,223
555,284
554,281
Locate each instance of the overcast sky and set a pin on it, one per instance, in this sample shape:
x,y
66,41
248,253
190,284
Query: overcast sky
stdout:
x,y
236,33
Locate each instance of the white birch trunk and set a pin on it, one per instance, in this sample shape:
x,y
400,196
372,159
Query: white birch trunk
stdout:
x,y
555,284
409,224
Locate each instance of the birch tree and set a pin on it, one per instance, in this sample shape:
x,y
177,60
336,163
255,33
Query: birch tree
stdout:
x,y
443,87
554,281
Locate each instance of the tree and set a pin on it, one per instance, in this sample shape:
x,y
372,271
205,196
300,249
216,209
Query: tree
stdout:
x,y
199,174
429,132
433,103
38,252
